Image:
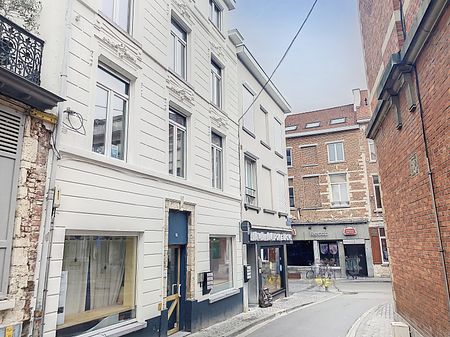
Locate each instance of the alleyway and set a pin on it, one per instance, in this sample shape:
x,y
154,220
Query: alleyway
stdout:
x,y
334,317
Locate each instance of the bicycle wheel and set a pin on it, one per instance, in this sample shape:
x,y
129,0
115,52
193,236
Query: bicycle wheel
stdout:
x,y
309,275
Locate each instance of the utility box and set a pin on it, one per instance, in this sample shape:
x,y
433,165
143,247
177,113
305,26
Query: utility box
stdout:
x,y
400,329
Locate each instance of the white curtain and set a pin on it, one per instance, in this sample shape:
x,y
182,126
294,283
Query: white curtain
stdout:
x,y
107,271
76,262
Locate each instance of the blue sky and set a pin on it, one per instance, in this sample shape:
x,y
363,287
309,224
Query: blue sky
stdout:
x,y
326,61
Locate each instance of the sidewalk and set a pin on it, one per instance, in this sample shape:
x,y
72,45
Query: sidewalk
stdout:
x,y
238,324
374,323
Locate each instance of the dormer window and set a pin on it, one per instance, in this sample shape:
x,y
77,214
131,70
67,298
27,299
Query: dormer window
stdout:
x,y
312,125
215,14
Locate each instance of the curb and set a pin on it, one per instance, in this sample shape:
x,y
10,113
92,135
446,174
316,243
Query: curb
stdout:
x,y
354,328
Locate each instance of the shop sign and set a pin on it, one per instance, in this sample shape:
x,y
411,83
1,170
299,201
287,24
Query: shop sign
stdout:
x,y
350,231
270,236
319,234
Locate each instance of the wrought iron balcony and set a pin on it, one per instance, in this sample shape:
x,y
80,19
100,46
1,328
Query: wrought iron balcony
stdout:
x,y
20,51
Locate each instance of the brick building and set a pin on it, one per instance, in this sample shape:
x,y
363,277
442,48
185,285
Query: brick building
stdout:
x,y
25,150
335,191
406,54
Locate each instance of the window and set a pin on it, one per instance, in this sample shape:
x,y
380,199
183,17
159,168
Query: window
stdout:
x,y
177,144
119,11
377,192
110,116
281,193
178,45
221,263
215,14
266,199
339,192
290,128
265,127
311,193
216,84
329,253
337,120
300,253
97,283
335,152
250,181
289,156
372,151
291,193
272,269
312,125
247,100
308,155
279,137
383,245
216,160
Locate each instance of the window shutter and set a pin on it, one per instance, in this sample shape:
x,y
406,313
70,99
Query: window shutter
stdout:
x,y
375,242
11,133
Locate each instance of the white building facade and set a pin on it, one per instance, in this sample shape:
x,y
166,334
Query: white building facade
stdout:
x,y
265,208
144,237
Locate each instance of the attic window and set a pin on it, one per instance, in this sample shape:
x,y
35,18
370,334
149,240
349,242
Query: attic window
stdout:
x,y
337,120
312,125
291,127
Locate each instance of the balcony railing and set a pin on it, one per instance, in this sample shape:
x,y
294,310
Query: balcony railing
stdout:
x,y
20,51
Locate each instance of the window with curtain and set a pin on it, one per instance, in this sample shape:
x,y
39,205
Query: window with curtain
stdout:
x,y
119,11
335,152
97,283
250,181
178,47
177,144
221,263
249,118
110,115
339,190
216,160
216,84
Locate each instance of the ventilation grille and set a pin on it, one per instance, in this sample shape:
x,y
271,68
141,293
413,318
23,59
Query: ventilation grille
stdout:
x,y
9,132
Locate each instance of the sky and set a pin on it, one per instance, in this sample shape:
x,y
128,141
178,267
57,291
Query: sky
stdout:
x,y
326,61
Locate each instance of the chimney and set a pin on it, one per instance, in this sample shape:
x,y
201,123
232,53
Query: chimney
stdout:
x,y
356,99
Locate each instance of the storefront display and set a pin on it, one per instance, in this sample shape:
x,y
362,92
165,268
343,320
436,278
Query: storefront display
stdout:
x,y
220,261
329,253
271,271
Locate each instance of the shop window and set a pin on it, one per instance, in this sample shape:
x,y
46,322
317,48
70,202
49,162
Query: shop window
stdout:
x,y
97,283
272,269
383,245
221,265
329,253
339,190
300,253
177,144
110,116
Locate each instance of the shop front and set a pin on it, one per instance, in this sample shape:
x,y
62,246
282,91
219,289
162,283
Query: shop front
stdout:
x,y
344,247
266,257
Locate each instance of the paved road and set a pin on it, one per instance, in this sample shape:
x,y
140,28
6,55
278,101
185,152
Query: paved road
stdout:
x,y
332,318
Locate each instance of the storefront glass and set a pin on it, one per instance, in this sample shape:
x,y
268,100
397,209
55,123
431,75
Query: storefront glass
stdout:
x,y
97,283
329,253
221,263
271,269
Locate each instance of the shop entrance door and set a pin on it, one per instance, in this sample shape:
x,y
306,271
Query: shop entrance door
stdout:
x,y
175,288
355,256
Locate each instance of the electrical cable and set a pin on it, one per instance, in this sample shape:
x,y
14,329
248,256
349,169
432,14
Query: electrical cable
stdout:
x,y
78,129
282,59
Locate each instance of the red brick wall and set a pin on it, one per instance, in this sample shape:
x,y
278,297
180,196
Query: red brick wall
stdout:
x,y
418,278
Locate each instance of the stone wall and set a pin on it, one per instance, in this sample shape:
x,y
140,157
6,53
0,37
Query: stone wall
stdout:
x,y
28,219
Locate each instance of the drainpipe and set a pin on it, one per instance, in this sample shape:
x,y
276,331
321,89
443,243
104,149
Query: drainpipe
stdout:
x,y
47,237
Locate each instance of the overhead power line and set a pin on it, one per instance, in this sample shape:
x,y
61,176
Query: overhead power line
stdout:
x,y
282,59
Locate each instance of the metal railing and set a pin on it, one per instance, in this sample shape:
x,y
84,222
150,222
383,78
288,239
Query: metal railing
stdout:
x,y
20,51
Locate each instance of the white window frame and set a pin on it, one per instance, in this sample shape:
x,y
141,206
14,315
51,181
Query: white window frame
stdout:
x,y
177,126
216,77
251,192
289,149
381,244
340,203
249,117
217,182
214,6
174,66
312,125
115,14
334,144
281,192
338,120
266,139
371,144
279,136
375,185
232,262
291,187
109,121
